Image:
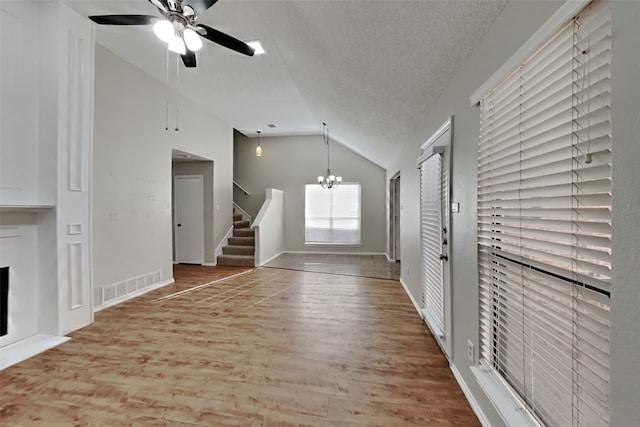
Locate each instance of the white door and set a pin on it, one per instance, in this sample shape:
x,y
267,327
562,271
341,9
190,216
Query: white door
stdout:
x,y
434,167
189,219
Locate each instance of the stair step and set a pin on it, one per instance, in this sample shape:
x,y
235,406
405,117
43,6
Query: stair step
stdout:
x,y
242,241
238,250
243,232
237,217
237,260
241,224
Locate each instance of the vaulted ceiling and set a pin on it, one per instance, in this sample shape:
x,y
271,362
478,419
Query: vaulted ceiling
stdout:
x,y
369,69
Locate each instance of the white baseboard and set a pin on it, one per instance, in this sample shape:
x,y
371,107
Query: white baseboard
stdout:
x,y
415,303
333,253
133,295
470,398
270,259
210,264
223,242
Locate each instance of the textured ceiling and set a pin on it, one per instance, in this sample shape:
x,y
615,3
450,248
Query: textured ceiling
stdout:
x,y
369,69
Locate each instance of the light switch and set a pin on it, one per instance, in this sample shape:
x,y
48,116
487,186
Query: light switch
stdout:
x,y
455,207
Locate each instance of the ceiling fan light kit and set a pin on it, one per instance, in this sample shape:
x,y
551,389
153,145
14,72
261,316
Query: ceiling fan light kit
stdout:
x,y
164,30
179,28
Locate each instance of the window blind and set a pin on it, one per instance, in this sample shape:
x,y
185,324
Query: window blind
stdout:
x,y
332,216
431,192
544,225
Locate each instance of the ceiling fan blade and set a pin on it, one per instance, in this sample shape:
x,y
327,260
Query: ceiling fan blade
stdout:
x,y
160,4
189,59
226,40
123,19
199,6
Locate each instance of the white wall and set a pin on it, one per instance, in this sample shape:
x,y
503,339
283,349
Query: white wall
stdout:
x,y
132,170
19,101
45,147
288,163
269,227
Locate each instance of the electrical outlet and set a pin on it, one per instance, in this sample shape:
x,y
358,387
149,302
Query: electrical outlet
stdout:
x,y
471,352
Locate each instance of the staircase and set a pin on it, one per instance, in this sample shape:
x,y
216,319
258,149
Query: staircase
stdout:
x,y
241,248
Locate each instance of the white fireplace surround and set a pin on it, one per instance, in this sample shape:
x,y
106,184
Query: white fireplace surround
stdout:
x,y
45,161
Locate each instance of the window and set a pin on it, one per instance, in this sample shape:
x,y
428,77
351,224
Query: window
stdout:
x,y
544,225
332,216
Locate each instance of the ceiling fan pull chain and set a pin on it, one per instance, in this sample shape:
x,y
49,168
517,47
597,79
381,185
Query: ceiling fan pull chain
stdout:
x,y
177,92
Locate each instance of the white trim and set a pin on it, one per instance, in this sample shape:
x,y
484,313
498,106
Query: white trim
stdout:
x,y
565,13
437,333
437,134
470,397
389,258
210,264
28,347
512,413
133,295
270,259
223,243
243,212
333,253
415,303
426,156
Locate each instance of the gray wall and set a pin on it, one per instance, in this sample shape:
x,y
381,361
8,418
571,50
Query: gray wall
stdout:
x,y
206,170
288,163
519,20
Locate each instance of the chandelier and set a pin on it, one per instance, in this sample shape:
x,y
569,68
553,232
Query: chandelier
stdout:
x,y
328,181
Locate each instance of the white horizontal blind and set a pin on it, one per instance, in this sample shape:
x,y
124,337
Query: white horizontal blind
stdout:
x,y
332,216
544,225
430,241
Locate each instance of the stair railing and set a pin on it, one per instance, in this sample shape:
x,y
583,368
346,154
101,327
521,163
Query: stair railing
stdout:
x,y
241,188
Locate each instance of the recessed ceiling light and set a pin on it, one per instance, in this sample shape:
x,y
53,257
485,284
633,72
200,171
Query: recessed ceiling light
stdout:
x,y
257,47
271,125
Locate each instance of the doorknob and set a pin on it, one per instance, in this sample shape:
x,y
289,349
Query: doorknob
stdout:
x,y
444,257
179,225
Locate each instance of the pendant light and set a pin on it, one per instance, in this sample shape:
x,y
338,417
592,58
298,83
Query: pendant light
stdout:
x,y
258,148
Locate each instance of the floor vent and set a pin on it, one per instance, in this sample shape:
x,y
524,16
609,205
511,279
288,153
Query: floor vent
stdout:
x,y
121,290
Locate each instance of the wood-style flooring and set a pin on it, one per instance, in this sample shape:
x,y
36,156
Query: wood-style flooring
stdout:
x,y
263,347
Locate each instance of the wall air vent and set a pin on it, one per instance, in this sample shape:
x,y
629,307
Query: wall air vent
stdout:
x,y
124,289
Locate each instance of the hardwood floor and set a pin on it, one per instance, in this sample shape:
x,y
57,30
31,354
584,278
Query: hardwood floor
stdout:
x,y
265,347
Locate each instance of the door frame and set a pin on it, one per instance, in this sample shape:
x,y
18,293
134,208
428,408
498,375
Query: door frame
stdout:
x,y
433,145
395,208
200,178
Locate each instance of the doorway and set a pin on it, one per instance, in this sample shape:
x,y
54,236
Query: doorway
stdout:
x,y
189,219
435,230
394,217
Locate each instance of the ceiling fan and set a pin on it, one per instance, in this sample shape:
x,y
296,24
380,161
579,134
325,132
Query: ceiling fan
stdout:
x,y
179,27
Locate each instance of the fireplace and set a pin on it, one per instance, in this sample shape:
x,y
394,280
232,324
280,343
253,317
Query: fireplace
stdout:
x,y
4,300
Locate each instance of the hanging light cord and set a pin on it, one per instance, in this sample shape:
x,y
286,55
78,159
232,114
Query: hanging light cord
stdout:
x,y
326,142
166,113
177,92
